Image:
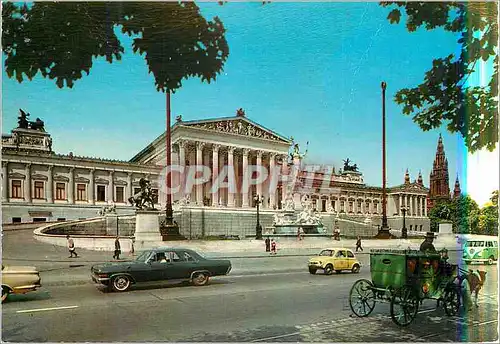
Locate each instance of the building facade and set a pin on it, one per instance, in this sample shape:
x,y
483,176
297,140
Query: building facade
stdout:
x,y
217,173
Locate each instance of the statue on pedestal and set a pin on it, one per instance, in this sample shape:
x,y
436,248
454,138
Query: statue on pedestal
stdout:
x,y
296,151
144,199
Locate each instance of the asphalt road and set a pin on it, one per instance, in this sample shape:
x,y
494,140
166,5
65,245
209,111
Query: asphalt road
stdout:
x,y
286,305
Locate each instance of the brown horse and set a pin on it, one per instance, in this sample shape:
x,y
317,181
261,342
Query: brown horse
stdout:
x,y
476,280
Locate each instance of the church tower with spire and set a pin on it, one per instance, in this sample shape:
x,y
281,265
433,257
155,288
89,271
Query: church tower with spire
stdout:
x,y
457,191
439,178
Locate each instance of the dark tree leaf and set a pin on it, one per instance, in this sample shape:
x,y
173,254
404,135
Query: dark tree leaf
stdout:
x,y
444,95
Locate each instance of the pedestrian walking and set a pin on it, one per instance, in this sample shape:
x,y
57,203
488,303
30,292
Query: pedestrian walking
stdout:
x,y
358,244
118,249
273,247
268,244
71,247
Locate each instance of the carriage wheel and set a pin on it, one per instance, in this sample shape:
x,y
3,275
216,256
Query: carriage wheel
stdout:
x,y
404,306
362,298
451,301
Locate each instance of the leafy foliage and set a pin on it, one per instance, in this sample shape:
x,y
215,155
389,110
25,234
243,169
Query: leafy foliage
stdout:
x,y
61,40
444,95
465,215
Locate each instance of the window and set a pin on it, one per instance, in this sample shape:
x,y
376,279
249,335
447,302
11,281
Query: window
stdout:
x,y
81,192
60,191
119,194
176,257
350,207
421,227
61,219
39,219
327,253
16,220
367,207
411,227
333,205
340,254
350,254
359,206
101,193
323,205
341,206
489,244
39,194
188,257
16,189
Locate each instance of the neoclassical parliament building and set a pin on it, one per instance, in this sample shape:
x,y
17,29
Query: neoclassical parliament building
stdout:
x,y
40,185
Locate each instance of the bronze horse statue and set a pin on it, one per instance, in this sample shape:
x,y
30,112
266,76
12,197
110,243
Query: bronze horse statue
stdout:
x,y
144,199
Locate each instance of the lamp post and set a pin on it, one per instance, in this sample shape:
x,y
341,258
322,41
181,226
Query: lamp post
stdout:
x,y
170,226
258,229
404,231
383,232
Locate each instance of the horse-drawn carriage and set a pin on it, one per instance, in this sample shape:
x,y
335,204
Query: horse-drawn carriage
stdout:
x,y
405,278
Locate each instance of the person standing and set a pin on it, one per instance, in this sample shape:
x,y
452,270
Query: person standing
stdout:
x,y
268,244
427,245
273,247
71,247
118,250
358,244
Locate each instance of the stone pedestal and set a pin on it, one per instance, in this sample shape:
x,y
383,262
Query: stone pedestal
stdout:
x,y
445,229
112,224
147,226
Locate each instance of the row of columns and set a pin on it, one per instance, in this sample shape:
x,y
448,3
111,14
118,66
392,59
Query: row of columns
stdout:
x,y
49,186
415,204
218,164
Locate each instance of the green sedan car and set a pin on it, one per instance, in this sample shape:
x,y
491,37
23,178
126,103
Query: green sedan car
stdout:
x,y
160,264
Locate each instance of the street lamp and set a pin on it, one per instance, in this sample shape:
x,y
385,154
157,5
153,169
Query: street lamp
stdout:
x,y
404,231
258,228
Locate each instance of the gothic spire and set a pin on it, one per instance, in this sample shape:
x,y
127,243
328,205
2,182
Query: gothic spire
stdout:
x,y
407,177
457,191
420,181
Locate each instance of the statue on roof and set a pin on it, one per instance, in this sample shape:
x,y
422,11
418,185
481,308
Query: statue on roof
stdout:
x,y
178,118
296,150
348,167
22,120
240,112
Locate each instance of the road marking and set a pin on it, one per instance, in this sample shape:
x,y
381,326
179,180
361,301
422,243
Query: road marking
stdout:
x,y
45,309
487,322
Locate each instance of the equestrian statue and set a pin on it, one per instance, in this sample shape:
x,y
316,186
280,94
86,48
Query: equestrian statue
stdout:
x,y
144,199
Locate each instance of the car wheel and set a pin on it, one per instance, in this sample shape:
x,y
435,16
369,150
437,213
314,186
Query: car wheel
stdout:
x,y
355,268
328,269
491,260
312,271
120,283
5,293
200,279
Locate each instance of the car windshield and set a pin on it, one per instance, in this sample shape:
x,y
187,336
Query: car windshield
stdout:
x,y
143,256
328,253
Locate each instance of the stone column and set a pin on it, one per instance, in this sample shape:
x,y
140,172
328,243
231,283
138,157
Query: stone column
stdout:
x,y
27,183
398,205
5,182
425,206
244,184
272,192
230,177
259,185
199,162
50,185
71,184
130,190
92,187
215,174
111,190
182,163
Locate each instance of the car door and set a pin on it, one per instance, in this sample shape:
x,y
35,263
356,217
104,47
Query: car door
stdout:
x,y
350,259
340,260
184,264
159,266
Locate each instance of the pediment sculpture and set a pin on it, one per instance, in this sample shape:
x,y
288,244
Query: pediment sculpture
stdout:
x,y
239,127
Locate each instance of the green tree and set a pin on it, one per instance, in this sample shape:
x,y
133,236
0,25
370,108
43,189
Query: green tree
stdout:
x,y
465,216
442,211
60,40
494,198
444,95
489,219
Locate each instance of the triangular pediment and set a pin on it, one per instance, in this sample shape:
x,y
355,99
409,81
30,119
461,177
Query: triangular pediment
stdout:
x,y
16,175
236,126
39,177
81,180
60,178
410,187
